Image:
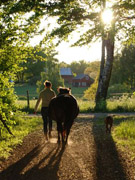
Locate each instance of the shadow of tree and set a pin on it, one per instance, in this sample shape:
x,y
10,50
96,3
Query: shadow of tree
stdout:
x,y
108,161
49,172
46,161
13,171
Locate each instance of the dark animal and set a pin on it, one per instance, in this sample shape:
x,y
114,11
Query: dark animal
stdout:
x,y
63,109
108,123
62,90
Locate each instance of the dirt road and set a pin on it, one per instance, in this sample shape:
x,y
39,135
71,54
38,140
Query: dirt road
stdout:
x,y
89,155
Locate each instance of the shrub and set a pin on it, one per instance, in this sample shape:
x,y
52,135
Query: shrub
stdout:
x,y
90,93
119,88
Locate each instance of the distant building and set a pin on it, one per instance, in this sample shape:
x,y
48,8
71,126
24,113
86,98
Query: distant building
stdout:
x,y
66,74
82,80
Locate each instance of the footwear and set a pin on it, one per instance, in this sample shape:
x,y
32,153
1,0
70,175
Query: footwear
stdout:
x,y
46,137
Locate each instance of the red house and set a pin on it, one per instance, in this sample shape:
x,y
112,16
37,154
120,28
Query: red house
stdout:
x,y
82,80
66,74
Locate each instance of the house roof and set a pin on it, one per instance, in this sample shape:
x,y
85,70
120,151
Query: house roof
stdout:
x,y
65,71
80,76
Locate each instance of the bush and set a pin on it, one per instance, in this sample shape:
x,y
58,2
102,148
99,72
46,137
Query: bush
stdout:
x,y
90,93
119,88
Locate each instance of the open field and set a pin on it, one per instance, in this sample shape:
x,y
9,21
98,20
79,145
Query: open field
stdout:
x,y
123,103
21,91
112,105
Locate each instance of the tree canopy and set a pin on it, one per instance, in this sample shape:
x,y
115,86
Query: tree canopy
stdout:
x,y
20,21
124,67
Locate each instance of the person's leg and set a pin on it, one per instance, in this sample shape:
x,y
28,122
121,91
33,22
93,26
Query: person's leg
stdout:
x,y
50,127
44,117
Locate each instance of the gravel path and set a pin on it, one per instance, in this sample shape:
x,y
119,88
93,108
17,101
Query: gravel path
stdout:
x,y
89,155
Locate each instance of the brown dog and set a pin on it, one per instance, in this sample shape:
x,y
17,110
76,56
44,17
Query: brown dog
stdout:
x,y
108,123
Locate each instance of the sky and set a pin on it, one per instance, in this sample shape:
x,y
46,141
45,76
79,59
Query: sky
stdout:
x,y
68,54
65,52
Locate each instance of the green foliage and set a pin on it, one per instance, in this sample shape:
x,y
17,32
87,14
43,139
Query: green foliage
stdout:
x,y
123,71
7,102
101,106
63,64
85,106
32,66
93,69
126,130
23,126
123,103
78,67
124,135
119,88
9,65
52,73
90,93
12,53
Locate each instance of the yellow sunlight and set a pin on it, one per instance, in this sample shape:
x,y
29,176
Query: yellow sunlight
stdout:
x,y
107,16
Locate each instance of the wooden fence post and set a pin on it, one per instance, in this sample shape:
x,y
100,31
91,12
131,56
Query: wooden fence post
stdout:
x,y
28,100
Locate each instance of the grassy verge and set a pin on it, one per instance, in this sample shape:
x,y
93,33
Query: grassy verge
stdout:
x,y
124,134
121,105
23,126
84,105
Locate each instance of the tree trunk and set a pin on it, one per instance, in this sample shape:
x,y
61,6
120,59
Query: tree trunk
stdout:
x,y
105,69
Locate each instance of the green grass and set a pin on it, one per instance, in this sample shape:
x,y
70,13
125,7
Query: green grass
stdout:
x,y
84,105
122,104
24,125
21,91
78,92
124,134
114,104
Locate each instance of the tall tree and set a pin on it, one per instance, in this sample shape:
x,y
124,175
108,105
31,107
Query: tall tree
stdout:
x,y
73,15
83,17
108,35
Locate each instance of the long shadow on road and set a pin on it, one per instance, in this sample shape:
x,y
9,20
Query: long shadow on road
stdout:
x,y
39,170
108,161
14,171
50,171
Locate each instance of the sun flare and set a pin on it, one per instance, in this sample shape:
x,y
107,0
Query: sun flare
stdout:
x,y
107,16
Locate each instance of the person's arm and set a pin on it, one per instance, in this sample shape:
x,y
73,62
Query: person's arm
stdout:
x,y
37,104
54,94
